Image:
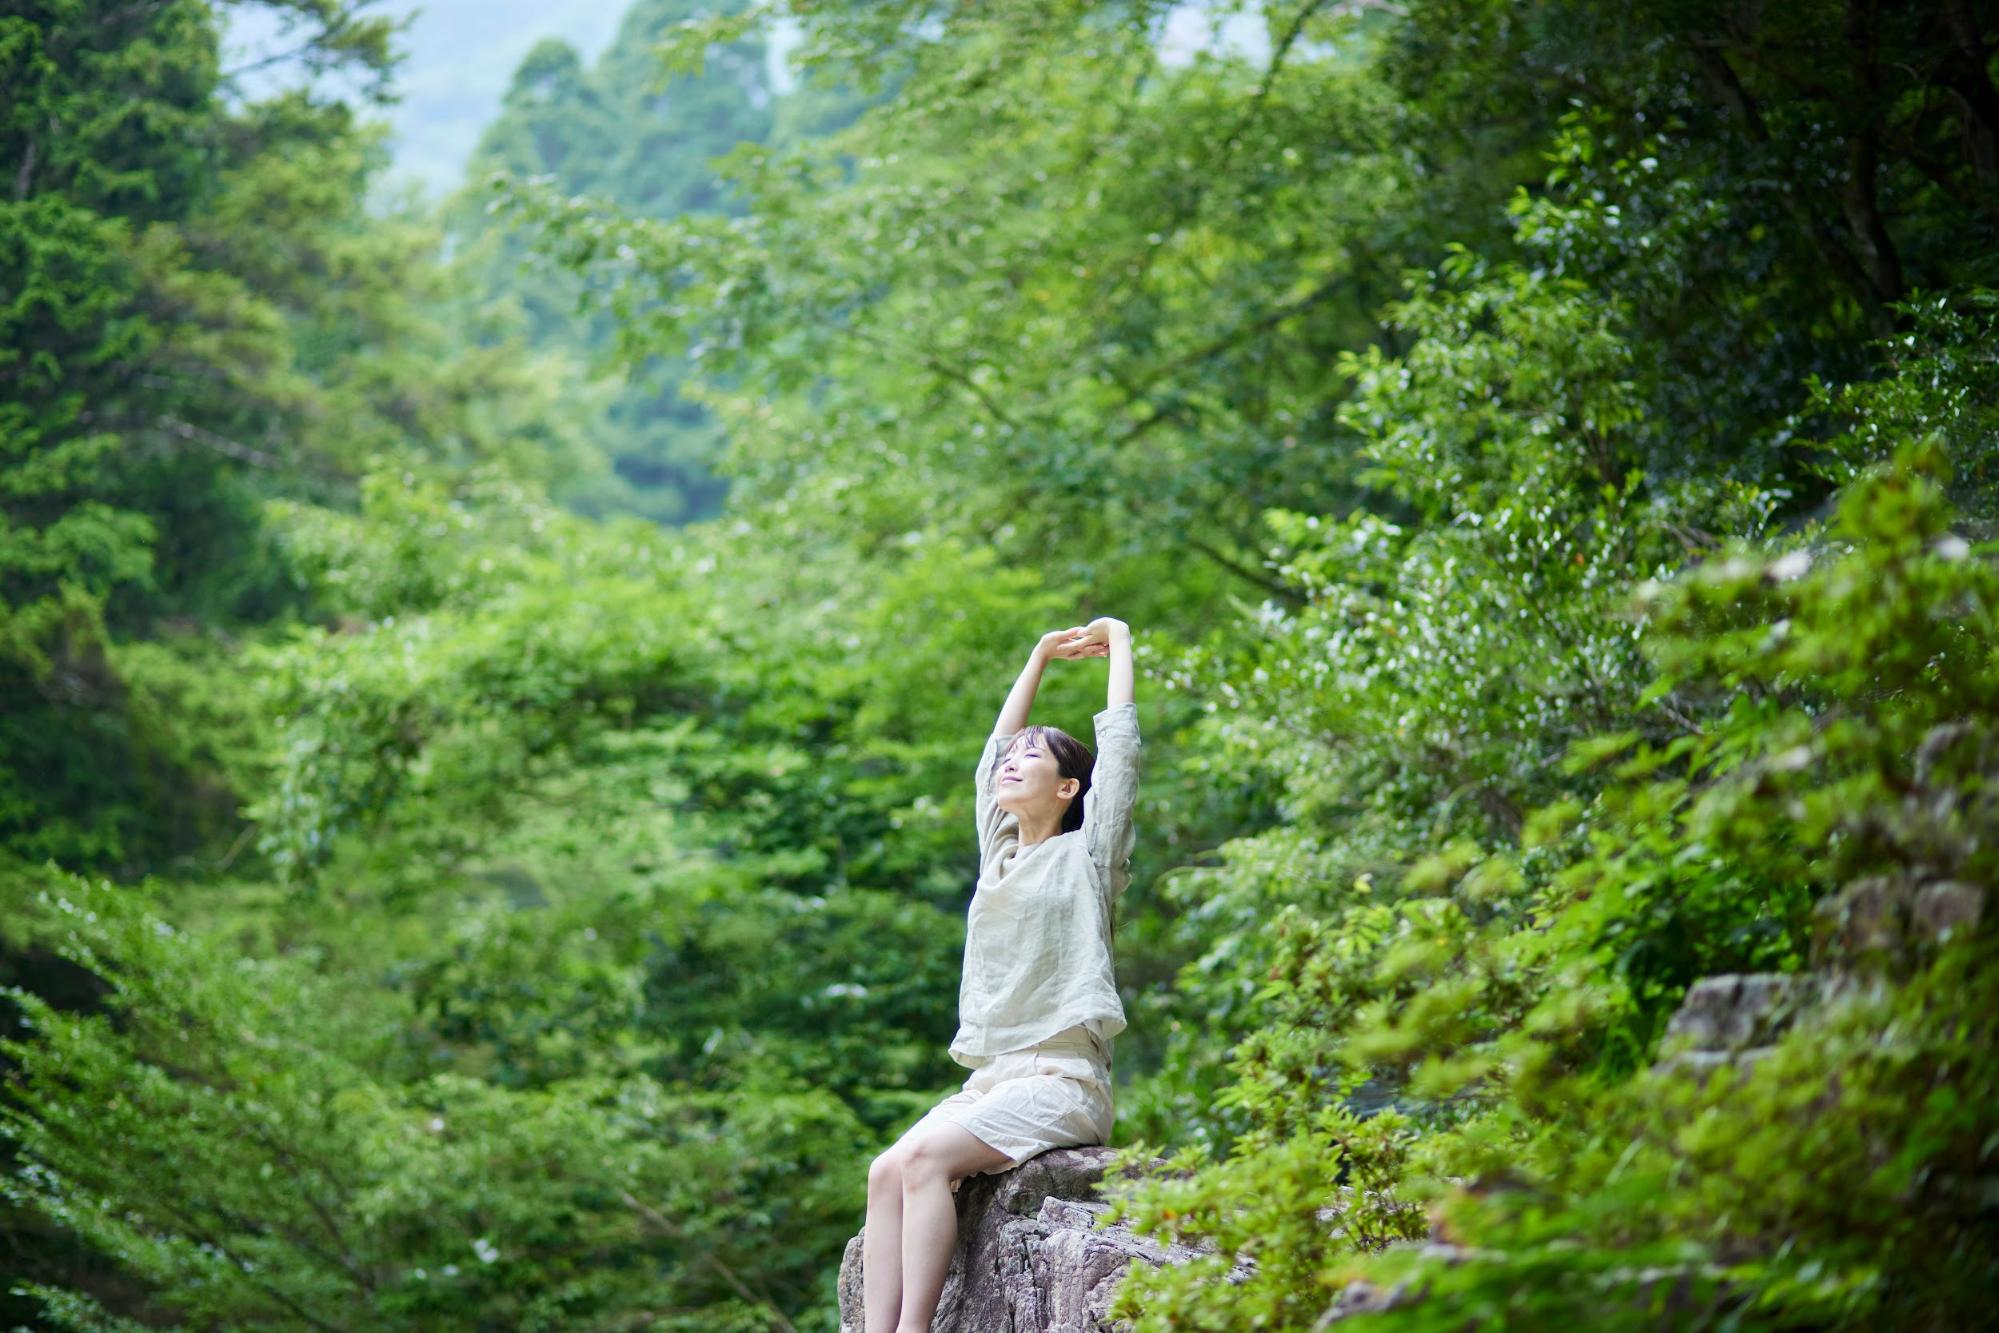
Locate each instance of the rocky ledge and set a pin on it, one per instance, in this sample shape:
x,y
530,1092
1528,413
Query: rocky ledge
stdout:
x,y
1030,1256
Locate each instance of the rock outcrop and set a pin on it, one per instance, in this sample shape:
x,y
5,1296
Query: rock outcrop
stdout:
x,y
1734,1020
1030,1256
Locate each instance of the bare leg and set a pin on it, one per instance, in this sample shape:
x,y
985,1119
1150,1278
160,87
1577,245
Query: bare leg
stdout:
x,y
931,1160
881,1244
881,1238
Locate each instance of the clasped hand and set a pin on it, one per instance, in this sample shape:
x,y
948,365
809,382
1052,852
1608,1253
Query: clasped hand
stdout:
x,y
1091,640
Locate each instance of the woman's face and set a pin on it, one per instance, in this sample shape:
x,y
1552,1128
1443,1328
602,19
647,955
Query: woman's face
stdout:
x,y
1030,779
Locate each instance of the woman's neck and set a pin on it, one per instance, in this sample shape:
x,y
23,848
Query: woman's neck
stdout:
x,y
1034,831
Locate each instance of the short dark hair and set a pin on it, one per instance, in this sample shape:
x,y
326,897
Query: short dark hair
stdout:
x,y
1072,760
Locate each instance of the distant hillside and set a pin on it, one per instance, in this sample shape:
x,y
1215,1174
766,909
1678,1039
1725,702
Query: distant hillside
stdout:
x,y
618,129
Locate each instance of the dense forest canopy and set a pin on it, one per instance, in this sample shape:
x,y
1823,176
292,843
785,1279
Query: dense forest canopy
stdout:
x,y
614,133
485,843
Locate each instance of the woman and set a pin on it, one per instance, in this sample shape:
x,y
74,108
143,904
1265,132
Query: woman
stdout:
x,y
1037,1006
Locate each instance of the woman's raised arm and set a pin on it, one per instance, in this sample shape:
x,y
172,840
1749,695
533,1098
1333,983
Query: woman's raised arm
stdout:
x,y
1055,643
1107,809
1117,635
1106,636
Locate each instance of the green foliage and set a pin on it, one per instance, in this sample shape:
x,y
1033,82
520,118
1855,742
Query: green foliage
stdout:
x,y
490,668
199,315
1047,281
1831,735
1561,548
245,1137
680,86
571,841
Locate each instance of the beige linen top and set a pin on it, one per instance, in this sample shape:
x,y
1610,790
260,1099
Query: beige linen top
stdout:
x,y
1038,935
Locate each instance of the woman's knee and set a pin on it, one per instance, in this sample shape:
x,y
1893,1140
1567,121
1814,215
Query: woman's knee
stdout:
x,y
885,1172
925,1161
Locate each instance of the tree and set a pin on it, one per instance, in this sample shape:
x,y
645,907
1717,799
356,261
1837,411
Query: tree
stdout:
x,y
630,133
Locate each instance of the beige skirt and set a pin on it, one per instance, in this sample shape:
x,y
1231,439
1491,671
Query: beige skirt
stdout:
x,y
1054,1094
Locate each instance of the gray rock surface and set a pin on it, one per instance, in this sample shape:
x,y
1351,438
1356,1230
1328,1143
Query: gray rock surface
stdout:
x,y
1737,1011
1030,1257
1734,1020
1887,922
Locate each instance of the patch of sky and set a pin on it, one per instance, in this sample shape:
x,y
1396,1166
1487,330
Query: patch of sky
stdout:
x,y
460,55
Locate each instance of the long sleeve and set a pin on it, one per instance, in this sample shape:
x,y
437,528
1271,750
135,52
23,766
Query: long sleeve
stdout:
x,y
994,823
1107,829
1038,955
